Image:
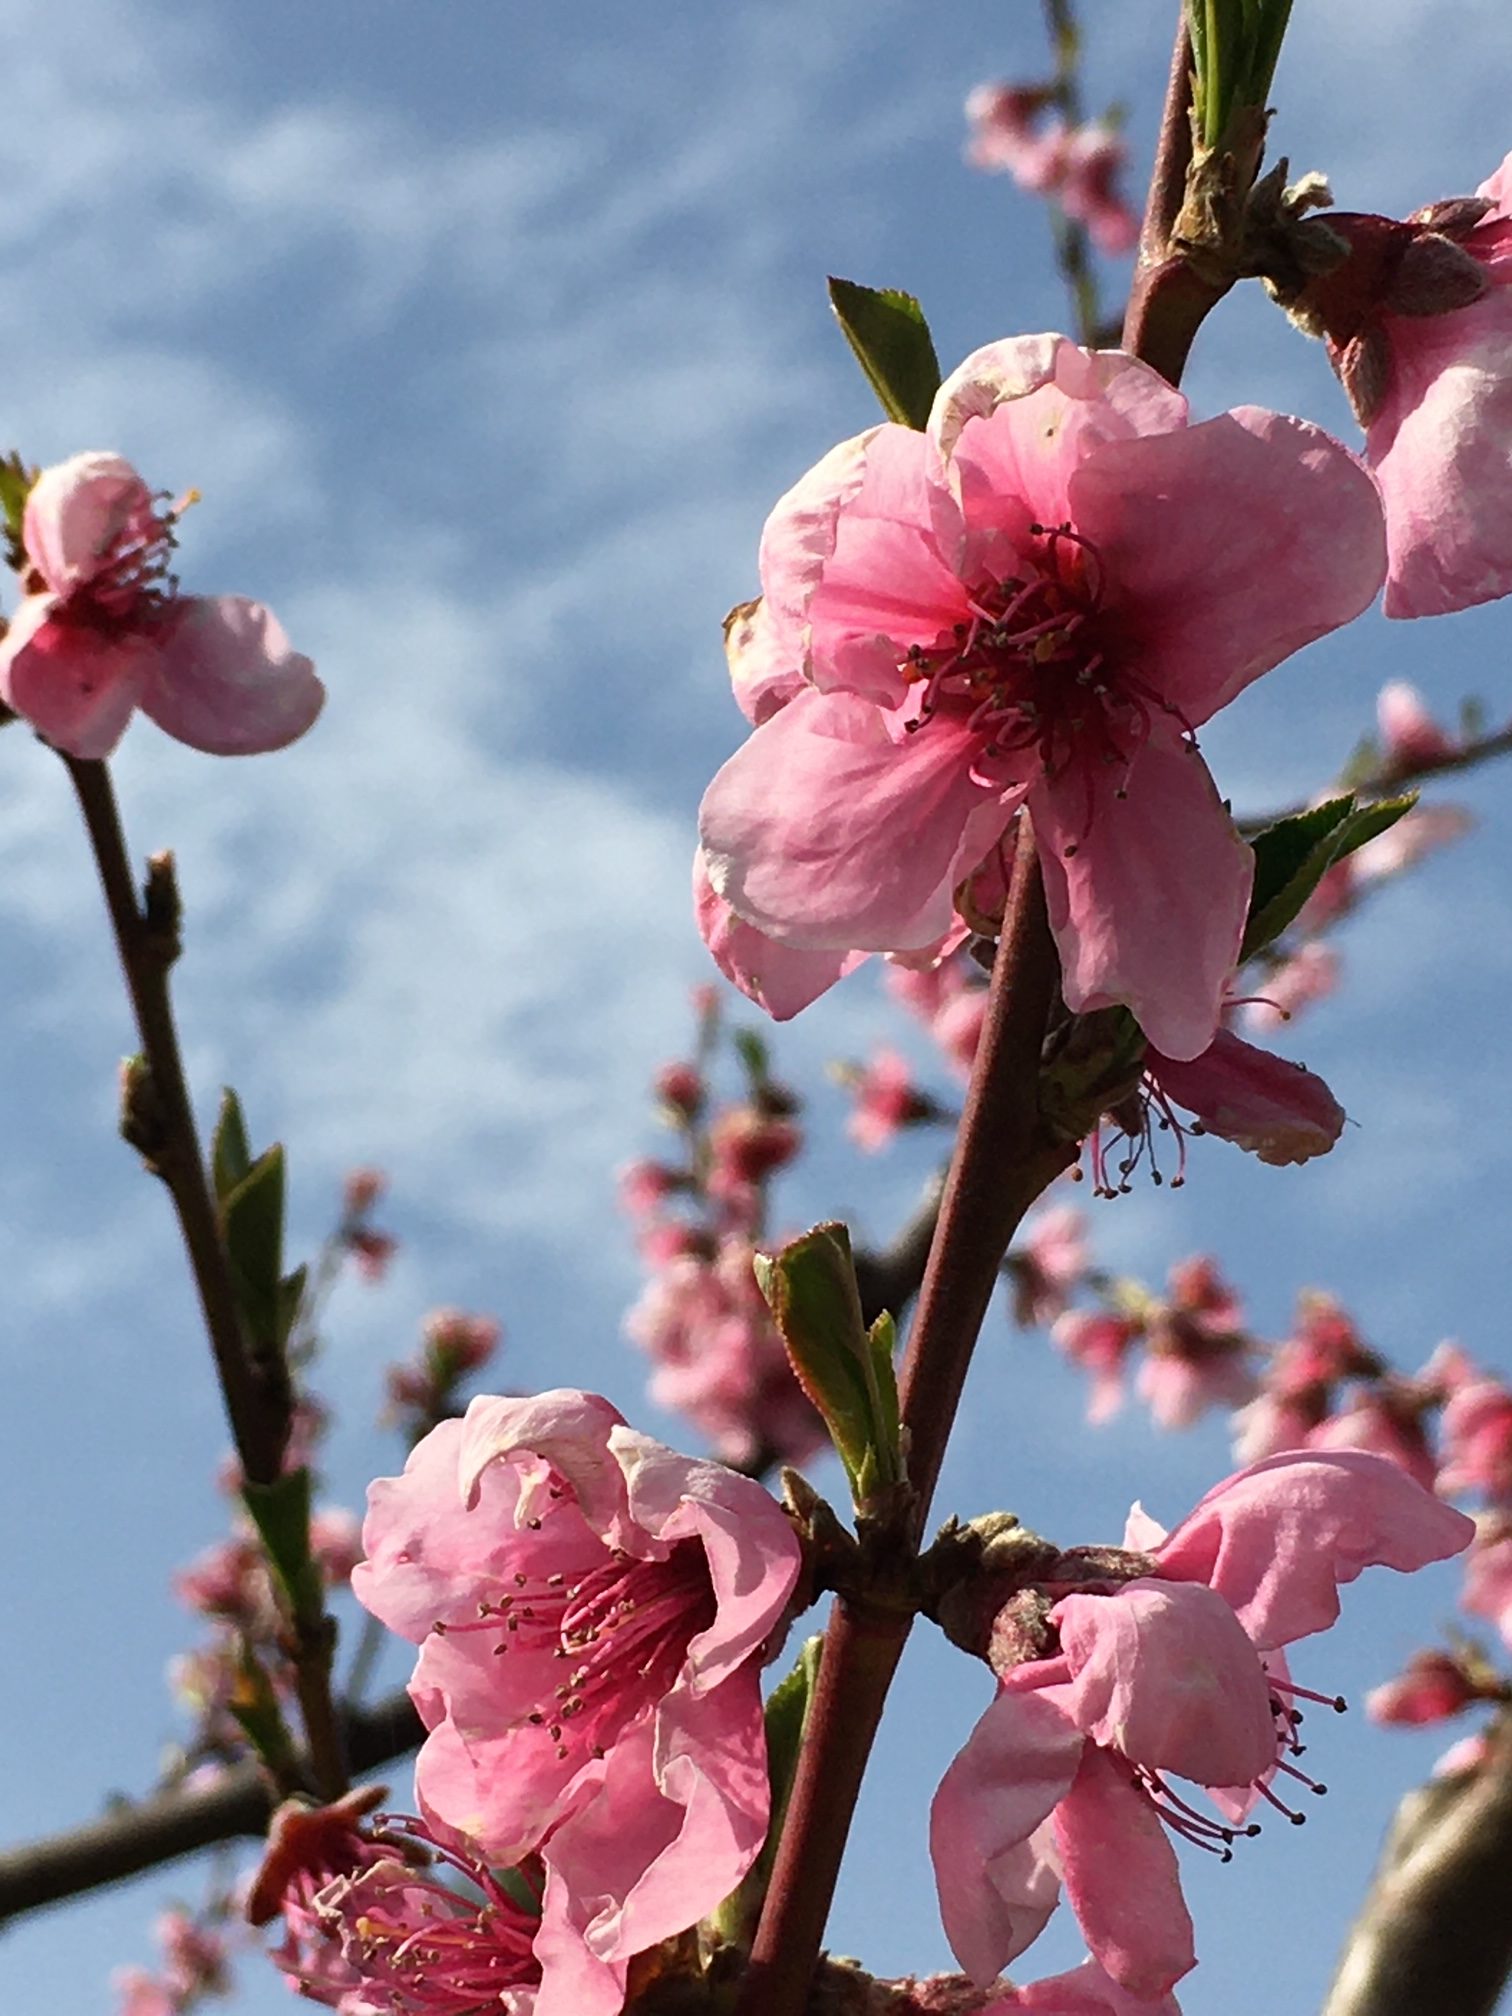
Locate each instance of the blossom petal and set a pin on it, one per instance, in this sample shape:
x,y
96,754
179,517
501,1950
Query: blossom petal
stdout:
x,y
571,1431
1165,1674
1228,546
1121,1878
76,686
782,979
999,374
76,511
1084,1991
826,833
1278,1110
1147,883
995,1885
224,679
1277,1540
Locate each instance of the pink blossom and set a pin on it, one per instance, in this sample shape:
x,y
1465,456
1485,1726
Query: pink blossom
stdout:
x,y
1387,1418
1048,1265
362,1189
1098,1341
1477,1438
102,629
226,1580
1433,1687
1278,1110
1084,1991
633,1592
142,1994
1034,603
886,1101
1411,737
1092,160
1469,1754
1177,1672
1488,1575
1198,1350
1010,135
1419,322
1310,974
720,1361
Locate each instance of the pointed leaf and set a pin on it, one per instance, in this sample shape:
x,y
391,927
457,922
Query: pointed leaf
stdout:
x,y
1292,857
810,1287
281,1513
252,1217
887,331
230,1154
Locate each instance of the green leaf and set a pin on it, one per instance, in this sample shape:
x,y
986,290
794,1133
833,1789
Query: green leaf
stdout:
x,y
810,1287
1292,857
893,346
752,1053
281,1513
290,1298
255,1707
252,1218
230,1154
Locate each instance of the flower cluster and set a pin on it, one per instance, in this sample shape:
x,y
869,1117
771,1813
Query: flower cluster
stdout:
x,y
194,1966
1016,130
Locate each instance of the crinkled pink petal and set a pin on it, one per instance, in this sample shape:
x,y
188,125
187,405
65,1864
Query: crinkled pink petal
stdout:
x,y
893,576
500,1794
1227,546
1147,883
747,1538
1084,1991
1120,1873
568,1429
76,685
224,678
1125,395
825,832
996,1886
75,512
1278,1539
1277,1109
1142,1534
1439,450
1164,1673
782,979
766,664
799,538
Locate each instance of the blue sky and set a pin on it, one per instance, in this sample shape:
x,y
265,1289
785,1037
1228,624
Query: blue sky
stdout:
x,y
489,335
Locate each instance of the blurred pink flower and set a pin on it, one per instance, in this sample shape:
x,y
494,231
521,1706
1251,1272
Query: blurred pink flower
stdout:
x,y
632,1593
1310,974
1014,131
1476,1431
1488,1575
1092,159
1409,734
1048,1265
887,1100
1098,1341
1179,1672
142,1994
103,630
1433,1687
1036,602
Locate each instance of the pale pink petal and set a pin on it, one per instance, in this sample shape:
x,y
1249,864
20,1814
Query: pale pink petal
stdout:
x,y
1121,1878
766,664
1277,1540
1142,1534
1165,1674
74,684
1439,450
1278,1110
995,1885
1003,372
893,576
224,678
826,832
1227,546
571,1431
75,513
799,536
782,979
1147,883
1084,1991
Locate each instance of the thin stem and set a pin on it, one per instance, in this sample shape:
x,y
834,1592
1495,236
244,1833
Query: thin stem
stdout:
x,y
257,1391
1072,245
1392,777
988,1189
258,1417
1171,294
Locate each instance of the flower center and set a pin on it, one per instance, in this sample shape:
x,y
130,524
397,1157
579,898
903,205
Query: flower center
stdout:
x,y
131,579
622,1627
1214,1835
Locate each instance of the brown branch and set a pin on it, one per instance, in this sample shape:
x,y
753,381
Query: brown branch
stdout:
x,y
137,1835
864,1641
158,1119
1435,1933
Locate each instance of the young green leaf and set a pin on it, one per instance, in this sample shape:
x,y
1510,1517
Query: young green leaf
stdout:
x,y
887,331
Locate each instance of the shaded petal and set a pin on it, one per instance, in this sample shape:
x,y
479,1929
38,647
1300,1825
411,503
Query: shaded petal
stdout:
x,y
826,833
1438,447
1278,1110
76,686
1165,1674
1084,1991
782,979
1278,1539
224,679
1134,399
799,535
76,511
1121,1877
766,664
571,1431
995,1885
1147,891
1228,546
893,576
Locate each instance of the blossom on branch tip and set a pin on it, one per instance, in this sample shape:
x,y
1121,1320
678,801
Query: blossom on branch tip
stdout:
x,y
1065,1781
102,629
593,1611
1034,603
